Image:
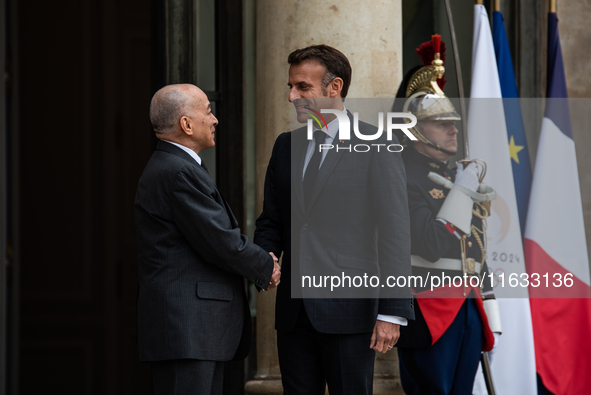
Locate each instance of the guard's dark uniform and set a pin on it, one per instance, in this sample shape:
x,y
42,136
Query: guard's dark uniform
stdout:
x,y
450,363
432,239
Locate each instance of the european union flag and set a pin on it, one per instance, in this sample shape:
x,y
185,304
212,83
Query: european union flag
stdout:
x,y
522,174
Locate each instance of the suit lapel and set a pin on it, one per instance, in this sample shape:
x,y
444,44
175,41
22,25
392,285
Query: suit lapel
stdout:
x,y
298,157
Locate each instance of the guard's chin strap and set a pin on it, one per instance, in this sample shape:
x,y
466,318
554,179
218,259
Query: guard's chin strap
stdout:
x,y
438,148
428,142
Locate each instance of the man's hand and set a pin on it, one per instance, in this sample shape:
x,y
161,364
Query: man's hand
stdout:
x,y
384,337
276,276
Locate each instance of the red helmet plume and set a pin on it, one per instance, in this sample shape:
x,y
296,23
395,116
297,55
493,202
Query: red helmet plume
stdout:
x,y
427,52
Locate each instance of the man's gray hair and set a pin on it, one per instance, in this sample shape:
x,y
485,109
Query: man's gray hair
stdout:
x,y
167,108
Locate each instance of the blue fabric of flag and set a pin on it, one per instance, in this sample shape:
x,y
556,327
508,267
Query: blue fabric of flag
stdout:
x,y
522,173
557,108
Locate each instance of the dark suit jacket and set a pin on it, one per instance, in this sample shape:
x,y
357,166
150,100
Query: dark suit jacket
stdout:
x,y
357,220
192,260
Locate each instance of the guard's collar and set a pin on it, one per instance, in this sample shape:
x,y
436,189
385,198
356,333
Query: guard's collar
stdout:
x,y
412,155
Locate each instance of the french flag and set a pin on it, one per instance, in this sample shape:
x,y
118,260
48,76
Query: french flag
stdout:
x,y
555,244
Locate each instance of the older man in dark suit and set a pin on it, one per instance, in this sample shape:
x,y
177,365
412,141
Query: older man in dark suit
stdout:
x,y
192,308
329,212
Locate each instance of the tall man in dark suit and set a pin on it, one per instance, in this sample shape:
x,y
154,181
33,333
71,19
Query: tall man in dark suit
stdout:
x,y
192,308
336,212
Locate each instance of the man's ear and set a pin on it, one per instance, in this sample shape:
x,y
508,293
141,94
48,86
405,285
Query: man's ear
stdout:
x,y
335,87
186,125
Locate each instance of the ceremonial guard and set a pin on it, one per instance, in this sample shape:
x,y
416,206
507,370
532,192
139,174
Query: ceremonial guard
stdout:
x,y
455,320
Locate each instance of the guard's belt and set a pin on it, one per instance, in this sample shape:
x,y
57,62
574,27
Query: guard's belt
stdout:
x,y
441,264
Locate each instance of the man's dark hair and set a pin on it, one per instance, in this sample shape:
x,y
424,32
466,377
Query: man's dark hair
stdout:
x,y
333,60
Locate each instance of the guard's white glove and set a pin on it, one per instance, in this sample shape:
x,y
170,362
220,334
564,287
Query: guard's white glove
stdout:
x,y
467,177
492,352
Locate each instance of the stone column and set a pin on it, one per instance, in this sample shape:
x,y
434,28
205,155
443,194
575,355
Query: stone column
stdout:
x,y
369,33
574,35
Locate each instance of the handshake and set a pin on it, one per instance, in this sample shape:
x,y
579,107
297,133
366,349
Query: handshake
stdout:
x,y
276,276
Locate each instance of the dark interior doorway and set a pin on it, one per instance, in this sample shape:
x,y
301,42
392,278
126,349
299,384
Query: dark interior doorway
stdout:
x,y
82,90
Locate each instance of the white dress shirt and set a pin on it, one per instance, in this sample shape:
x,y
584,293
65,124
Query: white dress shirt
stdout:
x,y
188,151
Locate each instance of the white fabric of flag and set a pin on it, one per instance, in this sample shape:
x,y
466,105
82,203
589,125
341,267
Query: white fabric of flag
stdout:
x,y
513,367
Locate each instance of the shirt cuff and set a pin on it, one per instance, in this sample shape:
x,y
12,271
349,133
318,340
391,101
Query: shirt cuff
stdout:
x,y
393,319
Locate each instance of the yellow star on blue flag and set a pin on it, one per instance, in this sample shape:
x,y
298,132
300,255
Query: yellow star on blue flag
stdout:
x,y
514,150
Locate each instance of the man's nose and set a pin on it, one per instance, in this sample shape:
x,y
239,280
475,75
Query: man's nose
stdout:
x,y
293,95
215,120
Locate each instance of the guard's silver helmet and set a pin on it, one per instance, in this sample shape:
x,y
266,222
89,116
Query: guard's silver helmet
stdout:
x,y
431,107
425,99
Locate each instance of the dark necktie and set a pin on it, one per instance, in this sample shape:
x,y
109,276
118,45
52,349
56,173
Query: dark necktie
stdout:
x,y
313,166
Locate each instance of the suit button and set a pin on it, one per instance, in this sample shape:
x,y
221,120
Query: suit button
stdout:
x,y
305,227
